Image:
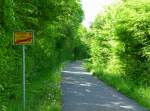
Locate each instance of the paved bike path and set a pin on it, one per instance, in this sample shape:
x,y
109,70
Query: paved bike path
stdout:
x,y
83,92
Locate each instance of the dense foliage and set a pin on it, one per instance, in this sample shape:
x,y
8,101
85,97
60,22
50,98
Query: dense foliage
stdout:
x,y
81,51
119,41
55,24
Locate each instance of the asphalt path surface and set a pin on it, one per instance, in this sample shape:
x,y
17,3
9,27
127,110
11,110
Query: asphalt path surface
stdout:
x,y
83,92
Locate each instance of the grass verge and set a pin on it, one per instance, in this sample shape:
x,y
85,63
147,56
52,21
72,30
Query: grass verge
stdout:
x,y
43,93
139,93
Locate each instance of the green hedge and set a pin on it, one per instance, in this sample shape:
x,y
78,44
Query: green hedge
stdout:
x,y
55,24
120,41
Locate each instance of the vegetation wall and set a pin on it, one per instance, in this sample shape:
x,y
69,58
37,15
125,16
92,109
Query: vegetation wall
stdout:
x,y
55,24
120,40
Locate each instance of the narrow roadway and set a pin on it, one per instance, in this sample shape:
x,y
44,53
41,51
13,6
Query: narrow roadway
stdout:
x,y
83,92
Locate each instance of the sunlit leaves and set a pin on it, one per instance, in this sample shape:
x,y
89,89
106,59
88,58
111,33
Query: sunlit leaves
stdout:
x,y
55,24
121,39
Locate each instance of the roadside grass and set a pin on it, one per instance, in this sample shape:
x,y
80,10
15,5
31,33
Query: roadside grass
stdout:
x,y
139,93
43,93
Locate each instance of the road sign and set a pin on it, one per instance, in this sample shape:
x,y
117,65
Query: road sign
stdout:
x,y
23,37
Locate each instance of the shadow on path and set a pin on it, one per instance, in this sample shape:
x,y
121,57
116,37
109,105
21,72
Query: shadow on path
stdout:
x,y
83,92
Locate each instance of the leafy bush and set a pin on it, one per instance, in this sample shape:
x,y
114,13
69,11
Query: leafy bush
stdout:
x,y
120,40
55,24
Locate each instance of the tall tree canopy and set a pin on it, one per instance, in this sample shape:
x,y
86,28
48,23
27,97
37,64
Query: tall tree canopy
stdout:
x,y
55,23
120,40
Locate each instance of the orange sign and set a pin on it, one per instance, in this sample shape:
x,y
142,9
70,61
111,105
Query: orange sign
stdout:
x,y
23,38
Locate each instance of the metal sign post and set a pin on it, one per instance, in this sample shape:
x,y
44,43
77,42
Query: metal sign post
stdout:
x,y
24,76
23,38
